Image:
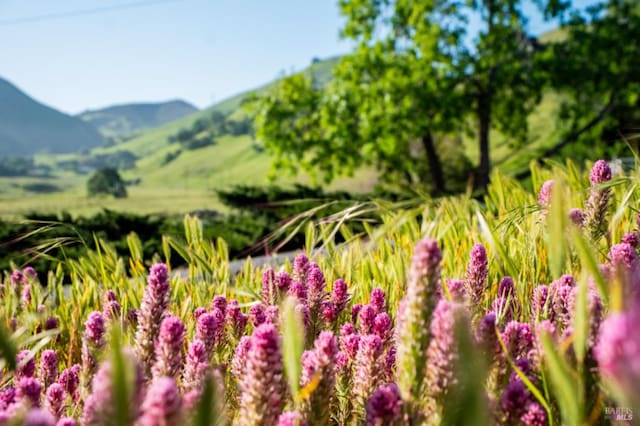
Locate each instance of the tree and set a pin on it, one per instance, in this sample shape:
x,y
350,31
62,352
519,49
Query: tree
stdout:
x,y
415,79
107,181
596,67
366,116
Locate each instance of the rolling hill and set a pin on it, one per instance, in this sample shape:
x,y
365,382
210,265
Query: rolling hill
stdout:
x,y
235,160
184,184
128,119
28,127
175,180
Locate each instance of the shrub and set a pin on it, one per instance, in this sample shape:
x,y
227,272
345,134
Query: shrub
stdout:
x,y
106,181
41,187
171,156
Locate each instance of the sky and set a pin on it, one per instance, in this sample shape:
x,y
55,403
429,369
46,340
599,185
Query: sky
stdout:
x,y
76,55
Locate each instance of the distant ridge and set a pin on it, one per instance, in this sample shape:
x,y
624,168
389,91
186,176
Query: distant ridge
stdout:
x,y
28,127
128,119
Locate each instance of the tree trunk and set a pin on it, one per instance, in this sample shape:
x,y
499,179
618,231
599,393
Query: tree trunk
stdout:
x,y
484,98
484,123
435,167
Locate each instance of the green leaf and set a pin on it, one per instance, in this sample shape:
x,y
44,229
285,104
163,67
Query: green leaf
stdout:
x,y
310,237
292,344
527,382
208,411
135,246
581,320
182,250
588,261
166,248
557,220
466,404
122,378
565,384
8,349
497,245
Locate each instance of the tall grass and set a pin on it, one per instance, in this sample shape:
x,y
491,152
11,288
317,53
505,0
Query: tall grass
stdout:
x,y
534,244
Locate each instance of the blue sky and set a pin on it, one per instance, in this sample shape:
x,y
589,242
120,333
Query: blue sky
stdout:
x,y
198,50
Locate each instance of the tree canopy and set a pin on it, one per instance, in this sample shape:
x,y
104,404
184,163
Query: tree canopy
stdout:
x,y
597,69
418,80
107,181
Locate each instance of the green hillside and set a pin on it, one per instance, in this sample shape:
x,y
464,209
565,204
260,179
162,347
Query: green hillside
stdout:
x,y
123,120
231,160
28,127
184,184
176,183
151,141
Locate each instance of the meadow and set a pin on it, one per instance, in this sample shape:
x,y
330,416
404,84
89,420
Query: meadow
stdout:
x,y
519,308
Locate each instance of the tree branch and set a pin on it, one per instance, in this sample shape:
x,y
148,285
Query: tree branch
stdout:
x,y
576,134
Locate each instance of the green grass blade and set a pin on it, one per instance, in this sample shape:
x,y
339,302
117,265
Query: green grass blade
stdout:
x,y
507,264
292,344
135,246
527,382
466,404
564,383
8,349
208,410
588,260
122,379
557,220
581,321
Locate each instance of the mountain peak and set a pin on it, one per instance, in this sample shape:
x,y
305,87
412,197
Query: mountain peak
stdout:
x,y
28,126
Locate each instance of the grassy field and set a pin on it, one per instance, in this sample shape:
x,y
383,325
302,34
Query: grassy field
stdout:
x,y
186,184
143,200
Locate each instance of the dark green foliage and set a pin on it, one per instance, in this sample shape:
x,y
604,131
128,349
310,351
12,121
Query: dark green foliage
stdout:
x,y
216,121
260,211
199,142
122,160
42,241
205,130
183,135
237,127
241,231
457,168
22,166
278,201
118,160
107,181
171,156
193,138
199,126
41,187
416,79
596,67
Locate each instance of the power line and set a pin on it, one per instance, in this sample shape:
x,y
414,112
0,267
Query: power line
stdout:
x,y
81,12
